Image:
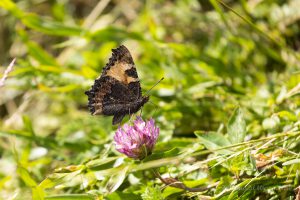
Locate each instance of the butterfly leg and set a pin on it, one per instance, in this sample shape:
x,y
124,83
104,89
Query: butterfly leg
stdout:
x,y
130,116
141,111
117,119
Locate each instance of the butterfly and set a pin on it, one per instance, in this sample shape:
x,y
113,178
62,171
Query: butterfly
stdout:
x,y
117,92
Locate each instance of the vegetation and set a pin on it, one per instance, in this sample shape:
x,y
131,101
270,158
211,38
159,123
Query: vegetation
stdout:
x,y
227,110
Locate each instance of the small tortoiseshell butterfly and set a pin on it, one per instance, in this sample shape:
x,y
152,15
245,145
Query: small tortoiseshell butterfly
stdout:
x,y
117,91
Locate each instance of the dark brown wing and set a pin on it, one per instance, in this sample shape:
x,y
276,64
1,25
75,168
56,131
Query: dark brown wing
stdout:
x,y
118,83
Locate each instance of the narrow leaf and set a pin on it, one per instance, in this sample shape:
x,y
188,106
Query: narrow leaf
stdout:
x,y
116,180
291,162
24,174
71,197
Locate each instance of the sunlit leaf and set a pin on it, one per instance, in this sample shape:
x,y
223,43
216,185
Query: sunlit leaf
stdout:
x,y
58,178
28,125
158,155
152,193
287,115
38,193
236,127
292,162
26,177
100,162
213,141
116,180
123,196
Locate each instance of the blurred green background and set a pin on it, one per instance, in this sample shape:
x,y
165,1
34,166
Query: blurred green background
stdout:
x,y
214,58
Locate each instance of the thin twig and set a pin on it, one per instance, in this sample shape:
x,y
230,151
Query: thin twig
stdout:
x,y
172,182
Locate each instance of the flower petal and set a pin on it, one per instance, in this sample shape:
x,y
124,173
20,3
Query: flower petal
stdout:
x,y
138,140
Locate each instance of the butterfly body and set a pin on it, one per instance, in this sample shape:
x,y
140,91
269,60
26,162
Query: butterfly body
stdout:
x,y
125,108
117,92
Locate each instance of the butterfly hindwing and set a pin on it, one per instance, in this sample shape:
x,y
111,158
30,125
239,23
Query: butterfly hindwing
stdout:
x,y
117,89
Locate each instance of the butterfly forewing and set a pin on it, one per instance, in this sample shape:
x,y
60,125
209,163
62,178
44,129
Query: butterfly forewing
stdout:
x,y
117,92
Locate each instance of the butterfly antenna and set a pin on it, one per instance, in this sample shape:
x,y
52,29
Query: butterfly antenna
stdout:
x,y
154,85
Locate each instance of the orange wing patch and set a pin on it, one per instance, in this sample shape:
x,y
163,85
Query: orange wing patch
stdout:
x,y
118,72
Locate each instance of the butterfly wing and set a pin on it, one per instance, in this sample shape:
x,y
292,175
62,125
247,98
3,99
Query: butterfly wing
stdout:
x,y
118,85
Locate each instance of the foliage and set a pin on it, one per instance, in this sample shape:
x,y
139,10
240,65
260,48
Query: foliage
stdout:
x,y
227,109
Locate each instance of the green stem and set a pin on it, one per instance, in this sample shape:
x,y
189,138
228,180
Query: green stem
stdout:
x,y
248,142
251,24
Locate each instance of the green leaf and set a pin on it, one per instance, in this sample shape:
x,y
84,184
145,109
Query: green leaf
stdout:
x,y
179,142
25,176
36,51
287,115
122,196
40,55
58,178
18,133
248,187
41,24
100,162
213,141
28,125
114,34
23,134
62,89
71,197
11,6
152,193
159,155
196,183
117,179
38,193
156,163
170,191
236,127
225,183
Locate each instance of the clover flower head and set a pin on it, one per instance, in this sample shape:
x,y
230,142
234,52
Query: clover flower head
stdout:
x,y
137,141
